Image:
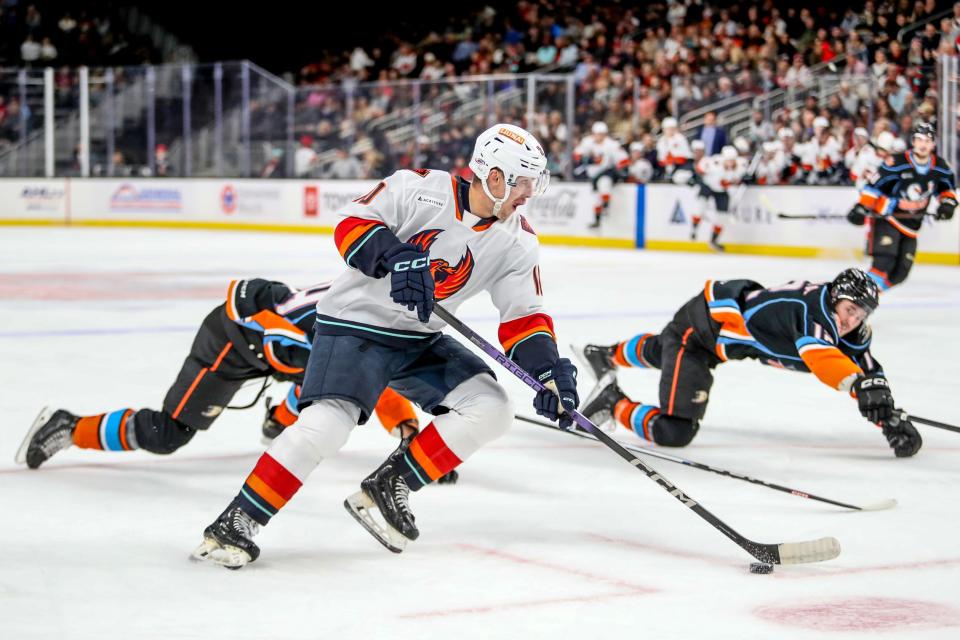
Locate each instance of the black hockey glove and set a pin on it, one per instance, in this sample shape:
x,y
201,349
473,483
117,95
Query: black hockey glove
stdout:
x,y
873,396
902,437
945,210
411,283
561,382
858,215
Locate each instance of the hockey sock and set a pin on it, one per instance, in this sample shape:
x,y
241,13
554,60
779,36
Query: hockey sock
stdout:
x,y
112,431
696,221
637,417
267,489
427,459
630,352
716,231
881,278
286,413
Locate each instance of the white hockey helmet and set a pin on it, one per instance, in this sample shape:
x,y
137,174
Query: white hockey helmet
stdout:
x,y
729,152
516,153
820,123
772,146
637,147
599,128
860,132
668,123
885,141
741,144
786,132
898,145
698,144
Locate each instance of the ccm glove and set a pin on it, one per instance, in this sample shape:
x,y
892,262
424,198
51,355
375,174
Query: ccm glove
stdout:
x,y
902,437
945,210
858,215
560,395
411,283
873,396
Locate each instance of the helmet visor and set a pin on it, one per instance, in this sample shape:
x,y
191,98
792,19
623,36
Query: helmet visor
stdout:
x,y
530,186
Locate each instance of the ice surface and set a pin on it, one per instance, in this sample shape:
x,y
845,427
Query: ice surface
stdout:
x,y
545,536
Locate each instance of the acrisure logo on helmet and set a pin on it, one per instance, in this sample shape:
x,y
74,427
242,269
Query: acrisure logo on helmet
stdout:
x,y
516,137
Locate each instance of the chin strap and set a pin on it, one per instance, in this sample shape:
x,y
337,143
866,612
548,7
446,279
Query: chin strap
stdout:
x,y
497,202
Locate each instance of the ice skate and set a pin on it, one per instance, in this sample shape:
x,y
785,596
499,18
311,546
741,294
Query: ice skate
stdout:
x,y
598,358
50,432
599,404
385,491
228,541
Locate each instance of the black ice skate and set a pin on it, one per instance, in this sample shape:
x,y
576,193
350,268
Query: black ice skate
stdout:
x,y
598,406
228,541
450,477
385,491
715,243
271,428
50,432
598,358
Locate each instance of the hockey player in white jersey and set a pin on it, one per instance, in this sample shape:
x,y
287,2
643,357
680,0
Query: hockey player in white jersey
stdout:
x,y
720,174
417,237
673,150
770,168
867,160
604,162
640,171
822,159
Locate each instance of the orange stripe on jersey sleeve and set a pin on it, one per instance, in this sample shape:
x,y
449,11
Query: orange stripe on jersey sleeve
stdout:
x,y
514,331
829,364
392,409
350,230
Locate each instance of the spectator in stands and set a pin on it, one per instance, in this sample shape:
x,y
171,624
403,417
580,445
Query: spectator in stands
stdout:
x,y
48,52
713,136
799,75
305,159
761,130
345,167
29,50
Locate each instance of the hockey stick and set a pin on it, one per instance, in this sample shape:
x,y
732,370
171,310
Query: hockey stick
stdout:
x,y
768,205
782,553
930,423
878,506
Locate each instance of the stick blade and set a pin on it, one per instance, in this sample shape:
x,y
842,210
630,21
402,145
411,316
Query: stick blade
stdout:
x,y
811,551
889,503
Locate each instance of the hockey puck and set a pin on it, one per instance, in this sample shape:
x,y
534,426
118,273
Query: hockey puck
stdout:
x,y
761,567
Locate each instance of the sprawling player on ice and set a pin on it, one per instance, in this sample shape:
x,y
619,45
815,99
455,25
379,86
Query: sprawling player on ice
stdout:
x,y
803,326
896,203
263,330
605,163
417,237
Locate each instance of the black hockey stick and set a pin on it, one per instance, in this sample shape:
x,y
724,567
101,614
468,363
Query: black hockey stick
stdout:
x,y
931,423
768,205
783,553
879,506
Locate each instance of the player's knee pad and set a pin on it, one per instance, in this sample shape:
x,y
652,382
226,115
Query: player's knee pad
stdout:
x,y
674,431
483,405
323,427
158,432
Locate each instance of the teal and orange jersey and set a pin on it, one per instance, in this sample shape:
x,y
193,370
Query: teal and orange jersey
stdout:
x,y
790,327
906,186
282,318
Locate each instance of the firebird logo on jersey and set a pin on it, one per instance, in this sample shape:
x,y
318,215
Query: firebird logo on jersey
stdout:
x,y
915,197
448,280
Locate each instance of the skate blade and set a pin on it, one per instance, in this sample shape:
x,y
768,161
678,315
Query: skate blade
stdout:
x,y
227,556
582,360
609,425
39,421
360,506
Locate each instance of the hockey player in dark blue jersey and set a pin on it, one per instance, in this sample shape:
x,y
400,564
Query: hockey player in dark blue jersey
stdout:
x,y
804,326
263,329
900,195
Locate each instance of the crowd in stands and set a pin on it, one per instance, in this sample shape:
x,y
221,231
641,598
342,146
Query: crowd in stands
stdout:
x,y
633,66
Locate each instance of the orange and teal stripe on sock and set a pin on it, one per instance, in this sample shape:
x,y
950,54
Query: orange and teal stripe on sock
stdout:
x,y
427,459
637,417
629,353
106,432
267,489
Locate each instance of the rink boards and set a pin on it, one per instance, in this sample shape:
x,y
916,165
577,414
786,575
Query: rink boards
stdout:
x,y
643,216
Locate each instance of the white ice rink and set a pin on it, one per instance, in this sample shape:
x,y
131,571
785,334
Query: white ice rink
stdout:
x,y
545,536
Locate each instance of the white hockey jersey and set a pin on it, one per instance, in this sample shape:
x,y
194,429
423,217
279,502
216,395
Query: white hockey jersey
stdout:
x,y
468,255
770,170
821,158
717,177
602,156
864,165
673,151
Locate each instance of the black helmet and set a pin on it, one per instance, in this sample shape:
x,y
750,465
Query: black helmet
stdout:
x,y
925,129
857,287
